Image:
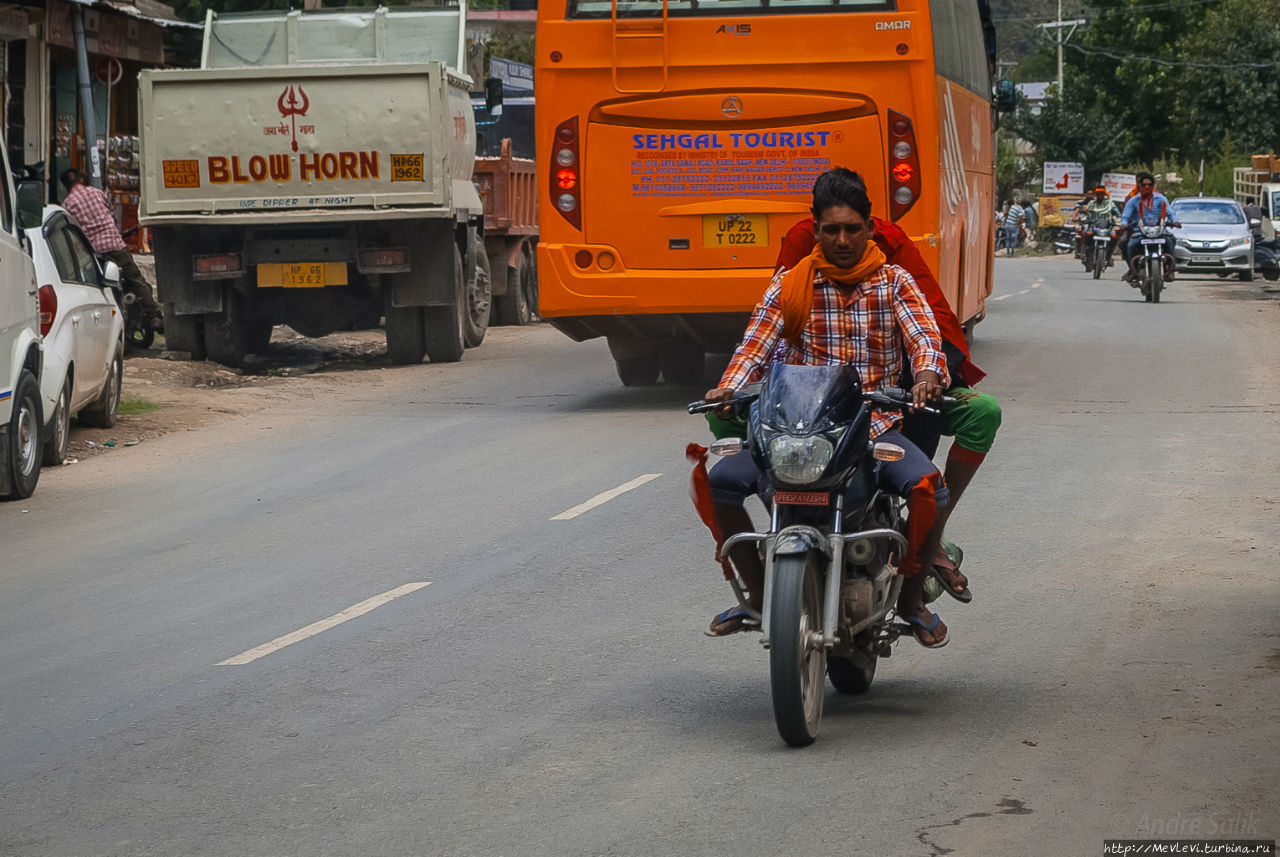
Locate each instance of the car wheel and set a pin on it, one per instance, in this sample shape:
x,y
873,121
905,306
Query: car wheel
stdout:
x,y
24,438
55,445
102,413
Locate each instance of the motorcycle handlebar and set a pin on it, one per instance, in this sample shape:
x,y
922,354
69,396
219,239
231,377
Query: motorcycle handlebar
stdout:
x,y
893,397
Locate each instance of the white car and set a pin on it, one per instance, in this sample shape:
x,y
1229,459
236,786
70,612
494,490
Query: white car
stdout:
x,y
21,357
83,329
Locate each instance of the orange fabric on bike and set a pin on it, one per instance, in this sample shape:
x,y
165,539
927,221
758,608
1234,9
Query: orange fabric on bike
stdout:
x,y
797,285
922,508
700,493
899,250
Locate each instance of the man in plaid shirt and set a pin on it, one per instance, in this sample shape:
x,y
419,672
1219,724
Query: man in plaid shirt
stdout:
x,y
842,305
92,210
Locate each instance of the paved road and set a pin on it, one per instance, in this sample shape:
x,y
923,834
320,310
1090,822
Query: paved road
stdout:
x,y
551,693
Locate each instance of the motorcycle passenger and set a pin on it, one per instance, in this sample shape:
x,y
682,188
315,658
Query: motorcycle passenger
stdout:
x,y
975,418
842,305
1147,207
1101,206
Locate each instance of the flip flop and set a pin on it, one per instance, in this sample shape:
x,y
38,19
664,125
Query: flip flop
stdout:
x,y
943,562
740,613
930,627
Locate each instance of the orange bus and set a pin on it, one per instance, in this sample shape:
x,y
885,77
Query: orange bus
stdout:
x,y
681,139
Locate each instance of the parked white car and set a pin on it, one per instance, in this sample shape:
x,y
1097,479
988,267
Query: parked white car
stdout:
x,y
83,329
21,357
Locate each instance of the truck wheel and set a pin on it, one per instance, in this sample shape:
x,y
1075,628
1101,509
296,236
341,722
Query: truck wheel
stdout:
x,y
479,301
260,336
517,306
24,439
683,360
226,333
444,325
406,342
183,333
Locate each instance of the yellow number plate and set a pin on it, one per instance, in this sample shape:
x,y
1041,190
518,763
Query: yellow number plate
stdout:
x,y
302,275
735,230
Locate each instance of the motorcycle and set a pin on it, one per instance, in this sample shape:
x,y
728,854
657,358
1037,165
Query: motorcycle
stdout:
x,y
1064,240
1151,263
831,584
1266,258
1097,235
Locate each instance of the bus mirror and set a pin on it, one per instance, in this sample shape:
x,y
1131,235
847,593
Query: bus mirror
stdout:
x,y
493,96
1006,96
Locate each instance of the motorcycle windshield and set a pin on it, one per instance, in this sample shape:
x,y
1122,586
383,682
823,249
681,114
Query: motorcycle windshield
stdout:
x,y
804,400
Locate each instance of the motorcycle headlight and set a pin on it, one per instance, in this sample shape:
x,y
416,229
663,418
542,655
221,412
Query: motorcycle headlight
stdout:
x,y
799,460
1238,242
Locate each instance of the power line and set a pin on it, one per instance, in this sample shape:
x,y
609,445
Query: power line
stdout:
x,y
1094,13
1170,63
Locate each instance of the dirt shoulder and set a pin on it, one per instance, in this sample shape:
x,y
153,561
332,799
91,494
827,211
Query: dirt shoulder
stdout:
x,y
163,396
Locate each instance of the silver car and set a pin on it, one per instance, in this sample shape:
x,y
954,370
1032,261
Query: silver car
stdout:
x,y
1214,237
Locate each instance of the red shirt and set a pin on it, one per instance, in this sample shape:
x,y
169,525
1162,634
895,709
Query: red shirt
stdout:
x,y
898,250
91,209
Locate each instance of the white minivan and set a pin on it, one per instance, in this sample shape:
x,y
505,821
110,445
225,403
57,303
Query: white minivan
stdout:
x,y
21,353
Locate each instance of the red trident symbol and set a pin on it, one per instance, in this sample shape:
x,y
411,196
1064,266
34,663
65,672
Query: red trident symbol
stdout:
x,y
291,107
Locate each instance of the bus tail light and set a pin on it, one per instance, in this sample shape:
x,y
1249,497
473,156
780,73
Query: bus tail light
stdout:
x,y
904,165
48,309
566,172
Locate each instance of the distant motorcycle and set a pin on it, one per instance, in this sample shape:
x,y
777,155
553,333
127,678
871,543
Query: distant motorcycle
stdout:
x,y
1097,234
1266,258
1064,240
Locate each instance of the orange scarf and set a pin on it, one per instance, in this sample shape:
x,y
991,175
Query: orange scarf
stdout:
x,y
797,285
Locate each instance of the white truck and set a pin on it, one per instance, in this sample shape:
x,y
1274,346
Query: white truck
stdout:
x,y
1262,186
316,171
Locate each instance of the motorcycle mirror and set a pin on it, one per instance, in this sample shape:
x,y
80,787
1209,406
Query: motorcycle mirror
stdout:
x,y
726,446
888,452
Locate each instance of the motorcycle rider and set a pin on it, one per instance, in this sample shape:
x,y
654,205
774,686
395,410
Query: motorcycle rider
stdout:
x,y
1147,207
1101,206
975,418
842,305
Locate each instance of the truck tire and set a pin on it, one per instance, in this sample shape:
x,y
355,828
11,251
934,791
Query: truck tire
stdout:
x,y
479,300
260,336
406,340
521,299
226,333
444,325
183,333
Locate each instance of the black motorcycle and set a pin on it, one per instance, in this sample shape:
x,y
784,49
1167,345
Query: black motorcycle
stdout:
x,y
1151,264
833,542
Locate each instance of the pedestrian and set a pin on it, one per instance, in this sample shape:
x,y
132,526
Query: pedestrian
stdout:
x,y
92,210
1014,220
1253,216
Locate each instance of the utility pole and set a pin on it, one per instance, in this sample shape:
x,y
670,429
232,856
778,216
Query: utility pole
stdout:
x,y
1058,26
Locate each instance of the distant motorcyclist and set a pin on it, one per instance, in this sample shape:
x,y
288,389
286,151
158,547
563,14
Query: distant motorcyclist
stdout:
x,y
1147,208
1099,207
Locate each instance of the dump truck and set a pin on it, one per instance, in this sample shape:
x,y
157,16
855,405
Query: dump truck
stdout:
x,y
316,171
509,189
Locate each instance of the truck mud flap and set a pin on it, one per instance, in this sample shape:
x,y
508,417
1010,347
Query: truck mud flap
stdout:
x,y
175,287
430,278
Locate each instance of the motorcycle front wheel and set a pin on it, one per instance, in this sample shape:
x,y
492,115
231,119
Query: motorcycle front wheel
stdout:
x,y
797,657
1157,281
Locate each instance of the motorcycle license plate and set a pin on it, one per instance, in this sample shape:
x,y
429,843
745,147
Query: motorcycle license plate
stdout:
x,y
802,498
302,275
735,230
1198,259
1152,240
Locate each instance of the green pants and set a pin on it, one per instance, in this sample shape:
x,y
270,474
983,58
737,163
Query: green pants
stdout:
x,y
973,421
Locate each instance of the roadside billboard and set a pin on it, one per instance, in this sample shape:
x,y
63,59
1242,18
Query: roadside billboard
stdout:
x,y
1063,177
1058,210
1119,184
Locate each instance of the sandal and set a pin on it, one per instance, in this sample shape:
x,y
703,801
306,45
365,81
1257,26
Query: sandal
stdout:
x,y
920,624
943,569
739,619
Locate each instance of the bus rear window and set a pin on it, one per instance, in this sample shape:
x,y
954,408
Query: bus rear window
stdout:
x,y
693,8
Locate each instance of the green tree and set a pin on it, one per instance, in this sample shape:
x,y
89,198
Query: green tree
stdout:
x,y
1070,129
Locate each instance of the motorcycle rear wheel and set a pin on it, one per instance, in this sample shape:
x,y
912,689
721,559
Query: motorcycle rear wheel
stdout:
x,y
797,658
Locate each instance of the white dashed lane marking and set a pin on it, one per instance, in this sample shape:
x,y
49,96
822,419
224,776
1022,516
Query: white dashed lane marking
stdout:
x,y
605,497
323,625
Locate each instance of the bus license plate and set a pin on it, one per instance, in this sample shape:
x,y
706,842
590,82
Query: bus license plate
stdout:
x,y
1198,259
302,275
735,230
802,498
